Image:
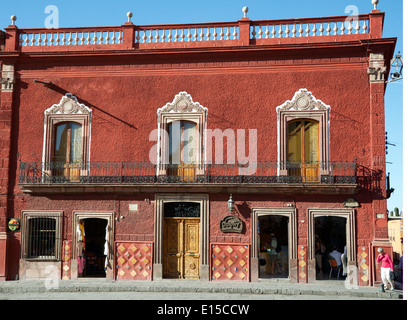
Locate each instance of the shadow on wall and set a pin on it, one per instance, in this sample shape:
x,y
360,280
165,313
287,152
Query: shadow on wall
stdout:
x,y
56,88
371,180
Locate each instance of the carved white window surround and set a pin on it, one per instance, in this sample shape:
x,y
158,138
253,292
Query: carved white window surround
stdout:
x,y
182,108
303,106
67,110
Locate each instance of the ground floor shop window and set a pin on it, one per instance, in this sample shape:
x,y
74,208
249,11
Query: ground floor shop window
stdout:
x,y
93,239
41,235
330,247
330,229
273,247
92,234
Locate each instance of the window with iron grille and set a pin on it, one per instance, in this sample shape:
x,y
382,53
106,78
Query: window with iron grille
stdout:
x,y
41,235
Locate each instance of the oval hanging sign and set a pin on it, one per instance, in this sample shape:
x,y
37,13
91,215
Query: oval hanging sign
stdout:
x,y
231,224
14,224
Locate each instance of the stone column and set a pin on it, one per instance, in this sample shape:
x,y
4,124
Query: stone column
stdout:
x,y
377,71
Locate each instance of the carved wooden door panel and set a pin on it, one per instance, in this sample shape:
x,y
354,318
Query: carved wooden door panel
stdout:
x,y
181,248
191,248
172,248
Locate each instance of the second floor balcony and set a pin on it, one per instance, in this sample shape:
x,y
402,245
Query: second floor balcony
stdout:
x,y
143,176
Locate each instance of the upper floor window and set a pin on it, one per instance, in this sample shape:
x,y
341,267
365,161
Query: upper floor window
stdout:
x,y
303,141
181,145
303,136
66,139
68,142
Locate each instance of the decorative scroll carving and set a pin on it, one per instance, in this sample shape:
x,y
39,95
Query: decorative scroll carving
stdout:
x,y
7,84
7,78
351,203
182,210
303,100
377,68
68,105
182,103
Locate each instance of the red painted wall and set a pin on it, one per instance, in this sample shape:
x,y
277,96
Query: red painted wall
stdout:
x,y
240,91
124,107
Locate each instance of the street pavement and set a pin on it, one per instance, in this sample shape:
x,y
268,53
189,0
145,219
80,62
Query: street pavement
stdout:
x,y
102,289
180,299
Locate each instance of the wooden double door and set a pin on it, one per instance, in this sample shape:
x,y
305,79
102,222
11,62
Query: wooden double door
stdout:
x,y
181,248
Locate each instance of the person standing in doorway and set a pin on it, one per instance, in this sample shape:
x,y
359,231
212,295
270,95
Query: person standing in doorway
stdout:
x,y
387,268
80,234
274,254
319,251
337,256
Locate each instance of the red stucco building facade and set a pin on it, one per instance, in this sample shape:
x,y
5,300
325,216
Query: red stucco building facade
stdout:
x,y
145,133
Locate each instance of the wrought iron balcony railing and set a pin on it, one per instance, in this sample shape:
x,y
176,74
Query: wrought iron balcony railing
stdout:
x,y
145,172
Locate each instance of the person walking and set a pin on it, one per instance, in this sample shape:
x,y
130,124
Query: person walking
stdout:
x,y
274,254
387,268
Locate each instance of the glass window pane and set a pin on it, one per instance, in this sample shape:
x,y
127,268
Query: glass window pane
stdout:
x,y
310,141
61,151
175,142
294,141
76,143
61,143
190,143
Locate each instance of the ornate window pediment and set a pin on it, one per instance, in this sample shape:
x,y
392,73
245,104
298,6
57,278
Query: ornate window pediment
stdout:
x,y
182,103
68,105
303,100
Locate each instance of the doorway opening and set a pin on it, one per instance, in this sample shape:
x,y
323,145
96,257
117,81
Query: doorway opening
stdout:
x,y
181,240
330,244
273,262
94,253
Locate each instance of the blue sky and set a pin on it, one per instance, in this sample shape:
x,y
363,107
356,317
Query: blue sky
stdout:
x,y
75,13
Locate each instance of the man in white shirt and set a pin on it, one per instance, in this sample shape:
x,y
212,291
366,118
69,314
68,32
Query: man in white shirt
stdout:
x,y
337,256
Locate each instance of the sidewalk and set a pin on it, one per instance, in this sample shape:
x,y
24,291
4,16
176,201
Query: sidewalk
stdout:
x,y
277,287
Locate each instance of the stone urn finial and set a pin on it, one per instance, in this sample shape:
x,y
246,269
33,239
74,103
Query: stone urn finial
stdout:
x,y
375,3
245,10
129,15
13,19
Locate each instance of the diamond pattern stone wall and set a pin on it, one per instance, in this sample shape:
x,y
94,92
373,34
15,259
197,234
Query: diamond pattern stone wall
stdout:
x,y
66,259
363,263
302,264
230,262
134,260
